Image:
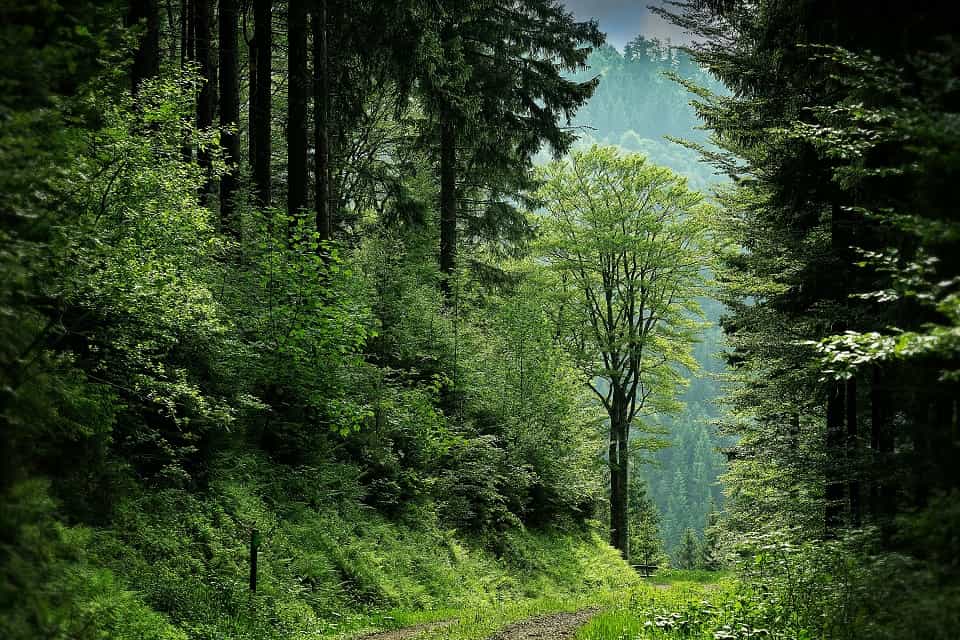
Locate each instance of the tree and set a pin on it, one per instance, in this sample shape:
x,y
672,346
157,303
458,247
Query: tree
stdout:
x,y
229,115
298,83
710,558
646,543
143,14
627,243
262,105
206,99
321,98
499,93
688,557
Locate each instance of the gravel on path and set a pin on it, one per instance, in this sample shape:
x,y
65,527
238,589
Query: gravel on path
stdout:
x,y
558,626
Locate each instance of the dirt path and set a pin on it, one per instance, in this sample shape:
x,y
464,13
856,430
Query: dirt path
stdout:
x,y
558,626
407,632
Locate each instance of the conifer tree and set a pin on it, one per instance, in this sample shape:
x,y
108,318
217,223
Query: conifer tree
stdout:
x,y
228,18
688,555
499,95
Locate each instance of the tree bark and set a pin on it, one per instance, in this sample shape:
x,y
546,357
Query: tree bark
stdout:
x,y
205,100
853,451
260,114
619,476
229,116
146,59
321,92
251,99
297,109
833,491
184,32
448,201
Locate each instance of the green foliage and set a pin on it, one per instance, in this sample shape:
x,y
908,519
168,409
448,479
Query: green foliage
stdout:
x,y
617,226
646,542
694,606
689,553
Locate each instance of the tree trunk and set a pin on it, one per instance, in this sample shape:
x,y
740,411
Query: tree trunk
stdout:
x,y
833,492
321,91
184,32
251,98
260,114
229,116
191,53
448,201
206,97
146,59
619,476
882,492
186,56
853,452
297,109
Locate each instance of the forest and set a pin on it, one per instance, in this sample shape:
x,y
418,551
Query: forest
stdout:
x,y
449,319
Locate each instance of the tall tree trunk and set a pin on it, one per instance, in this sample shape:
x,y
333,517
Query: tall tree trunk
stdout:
x,y
191,48
186,56
205,100
833,491
882,491
251,98
298,82
321,92
853,452
146,59
184,32
260,113
229,116
619,476
448,201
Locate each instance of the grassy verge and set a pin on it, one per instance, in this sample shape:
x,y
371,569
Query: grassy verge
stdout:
x,y
674,604
173,565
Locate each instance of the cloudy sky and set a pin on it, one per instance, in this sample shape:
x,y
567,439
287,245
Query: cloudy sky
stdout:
x,y
624,19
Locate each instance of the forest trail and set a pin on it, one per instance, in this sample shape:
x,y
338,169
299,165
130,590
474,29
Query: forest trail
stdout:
x,y
558,626
408,632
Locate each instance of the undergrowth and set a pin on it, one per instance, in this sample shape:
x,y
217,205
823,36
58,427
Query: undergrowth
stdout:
x,y
174,565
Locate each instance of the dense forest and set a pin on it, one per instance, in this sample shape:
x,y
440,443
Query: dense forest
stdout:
x,y
446,319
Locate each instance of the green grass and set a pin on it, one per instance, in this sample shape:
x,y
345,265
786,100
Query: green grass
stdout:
x,y
677,604
674,576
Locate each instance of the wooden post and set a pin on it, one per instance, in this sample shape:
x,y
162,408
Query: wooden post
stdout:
x,y
254,546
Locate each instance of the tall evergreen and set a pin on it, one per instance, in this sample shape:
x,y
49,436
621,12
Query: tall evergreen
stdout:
x,y
144,15
261,112
321,134
229,114
500,94
817,208
206,100
298,94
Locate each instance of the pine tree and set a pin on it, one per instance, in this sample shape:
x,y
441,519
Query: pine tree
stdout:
x,y
499,94
261,92
298,82
646,544
688,555
144,14
710,552
229,115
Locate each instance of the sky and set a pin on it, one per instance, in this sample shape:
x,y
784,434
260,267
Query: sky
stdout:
x,y
624,19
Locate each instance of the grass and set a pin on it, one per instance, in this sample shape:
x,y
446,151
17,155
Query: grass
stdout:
x,y
675,604
335,570
699,576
